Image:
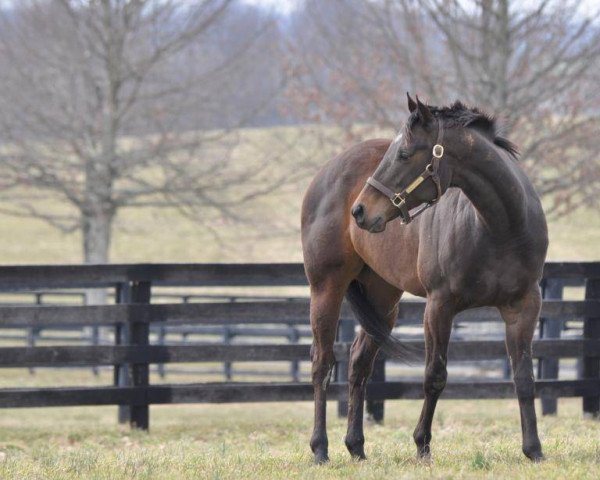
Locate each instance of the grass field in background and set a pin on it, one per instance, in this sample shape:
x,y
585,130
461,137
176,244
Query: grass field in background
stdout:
x,y
271,234
161,236
471,439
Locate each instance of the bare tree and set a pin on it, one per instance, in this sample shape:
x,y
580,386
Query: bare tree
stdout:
x,y
536,64
110,104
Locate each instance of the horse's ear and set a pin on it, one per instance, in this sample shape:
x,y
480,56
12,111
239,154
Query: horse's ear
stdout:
x,y
412,106
424,112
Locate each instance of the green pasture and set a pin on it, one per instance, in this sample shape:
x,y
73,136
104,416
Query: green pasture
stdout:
x,y
472,439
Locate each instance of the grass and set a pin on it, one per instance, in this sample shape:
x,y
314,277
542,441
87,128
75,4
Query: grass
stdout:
x,y
472,439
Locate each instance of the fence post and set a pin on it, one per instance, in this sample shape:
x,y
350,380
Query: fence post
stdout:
x,y
33,333
375,408
121,372
140,372
346,335
294,337
591,365
552,289
95,343
227,369
161,341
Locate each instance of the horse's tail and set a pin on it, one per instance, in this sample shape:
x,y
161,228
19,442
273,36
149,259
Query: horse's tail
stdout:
x,y
376,326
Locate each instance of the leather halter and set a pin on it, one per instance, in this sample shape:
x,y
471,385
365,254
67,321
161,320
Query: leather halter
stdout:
x,y
431,171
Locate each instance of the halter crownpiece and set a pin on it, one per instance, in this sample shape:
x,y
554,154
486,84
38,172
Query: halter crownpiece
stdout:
x,y
431,171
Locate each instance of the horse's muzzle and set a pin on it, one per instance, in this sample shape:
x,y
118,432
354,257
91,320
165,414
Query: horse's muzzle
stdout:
x,y
377,226
360,217
358,212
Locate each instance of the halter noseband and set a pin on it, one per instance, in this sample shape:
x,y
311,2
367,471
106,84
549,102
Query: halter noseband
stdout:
x,y
431,171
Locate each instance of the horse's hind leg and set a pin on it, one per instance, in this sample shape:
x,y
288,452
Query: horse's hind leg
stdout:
x,y
521,320
384,299
437,323
325,302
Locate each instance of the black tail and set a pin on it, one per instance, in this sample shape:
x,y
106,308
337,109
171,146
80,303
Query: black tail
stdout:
x,y
375,326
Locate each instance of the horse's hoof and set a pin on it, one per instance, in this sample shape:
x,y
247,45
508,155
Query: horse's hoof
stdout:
x,y
358,454
321,458
356,447
535,457
534,453
424,455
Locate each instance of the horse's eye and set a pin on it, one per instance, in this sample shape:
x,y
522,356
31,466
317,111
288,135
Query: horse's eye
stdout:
x,y
403,156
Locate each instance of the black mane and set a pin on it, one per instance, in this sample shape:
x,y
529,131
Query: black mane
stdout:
x,y
459,115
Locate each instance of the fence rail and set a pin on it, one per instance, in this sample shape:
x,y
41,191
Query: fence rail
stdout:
x,y
141,397
31,277
212,313
114,355
133,315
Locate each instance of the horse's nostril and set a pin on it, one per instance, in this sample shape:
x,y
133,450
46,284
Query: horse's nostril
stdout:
x,y
358,213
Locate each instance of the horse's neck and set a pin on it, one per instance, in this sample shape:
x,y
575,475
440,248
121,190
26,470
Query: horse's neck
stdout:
x,y
494,186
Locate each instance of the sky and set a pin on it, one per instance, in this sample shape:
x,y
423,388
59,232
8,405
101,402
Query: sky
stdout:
x,y
589,7
281,6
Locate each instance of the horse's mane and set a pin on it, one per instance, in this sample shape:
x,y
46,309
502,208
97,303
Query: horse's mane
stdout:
x,y
459,115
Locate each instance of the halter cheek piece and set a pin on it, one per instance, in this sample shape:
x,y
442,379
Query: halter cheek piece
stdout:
x,y
431,171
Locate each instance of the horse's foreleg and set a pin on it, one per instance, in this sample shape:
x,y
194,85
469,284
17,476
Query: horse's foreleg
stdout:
x,y
521,321
324,315
437,325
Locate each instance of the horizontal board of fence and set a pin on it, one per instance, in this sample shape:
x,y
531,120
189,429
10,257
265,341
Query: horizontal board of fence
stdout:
x,y
233,330
248,313
118,354
272,392
32,277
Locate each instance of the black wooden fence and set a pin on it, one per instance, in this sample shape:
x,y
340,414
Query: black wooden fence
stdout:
x,y
132,354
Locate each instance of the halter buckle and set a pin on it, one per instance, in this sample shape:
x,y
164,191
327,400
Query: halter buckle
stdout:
x,y
397,200
438,151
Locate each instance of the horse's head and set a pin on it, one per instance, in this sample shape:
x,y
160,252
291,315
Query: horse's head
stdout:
x,y
412,173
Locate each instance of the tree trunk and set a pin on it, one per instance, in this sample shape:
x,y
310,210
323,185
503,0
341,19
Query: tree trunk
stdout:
x,y
495,53
99,212
96,246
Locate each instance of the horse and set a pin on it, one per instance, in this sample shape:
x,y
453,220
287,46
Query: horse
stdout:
x,y
472,233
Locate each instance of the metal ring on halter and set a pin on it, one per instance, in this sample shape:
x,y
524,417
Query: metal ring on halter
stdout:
x,y
397,200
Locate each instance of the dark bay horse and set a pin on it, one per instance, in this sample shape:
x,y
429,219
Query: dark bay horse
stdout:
x,y
483,243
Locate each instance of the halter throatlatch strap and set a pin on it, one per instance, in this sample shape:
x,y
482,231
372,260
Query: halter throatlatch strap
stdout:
x,y
431,171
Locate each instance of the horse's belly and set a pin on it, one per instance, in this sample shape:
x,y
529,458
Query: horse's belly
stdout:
x,y
489,282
